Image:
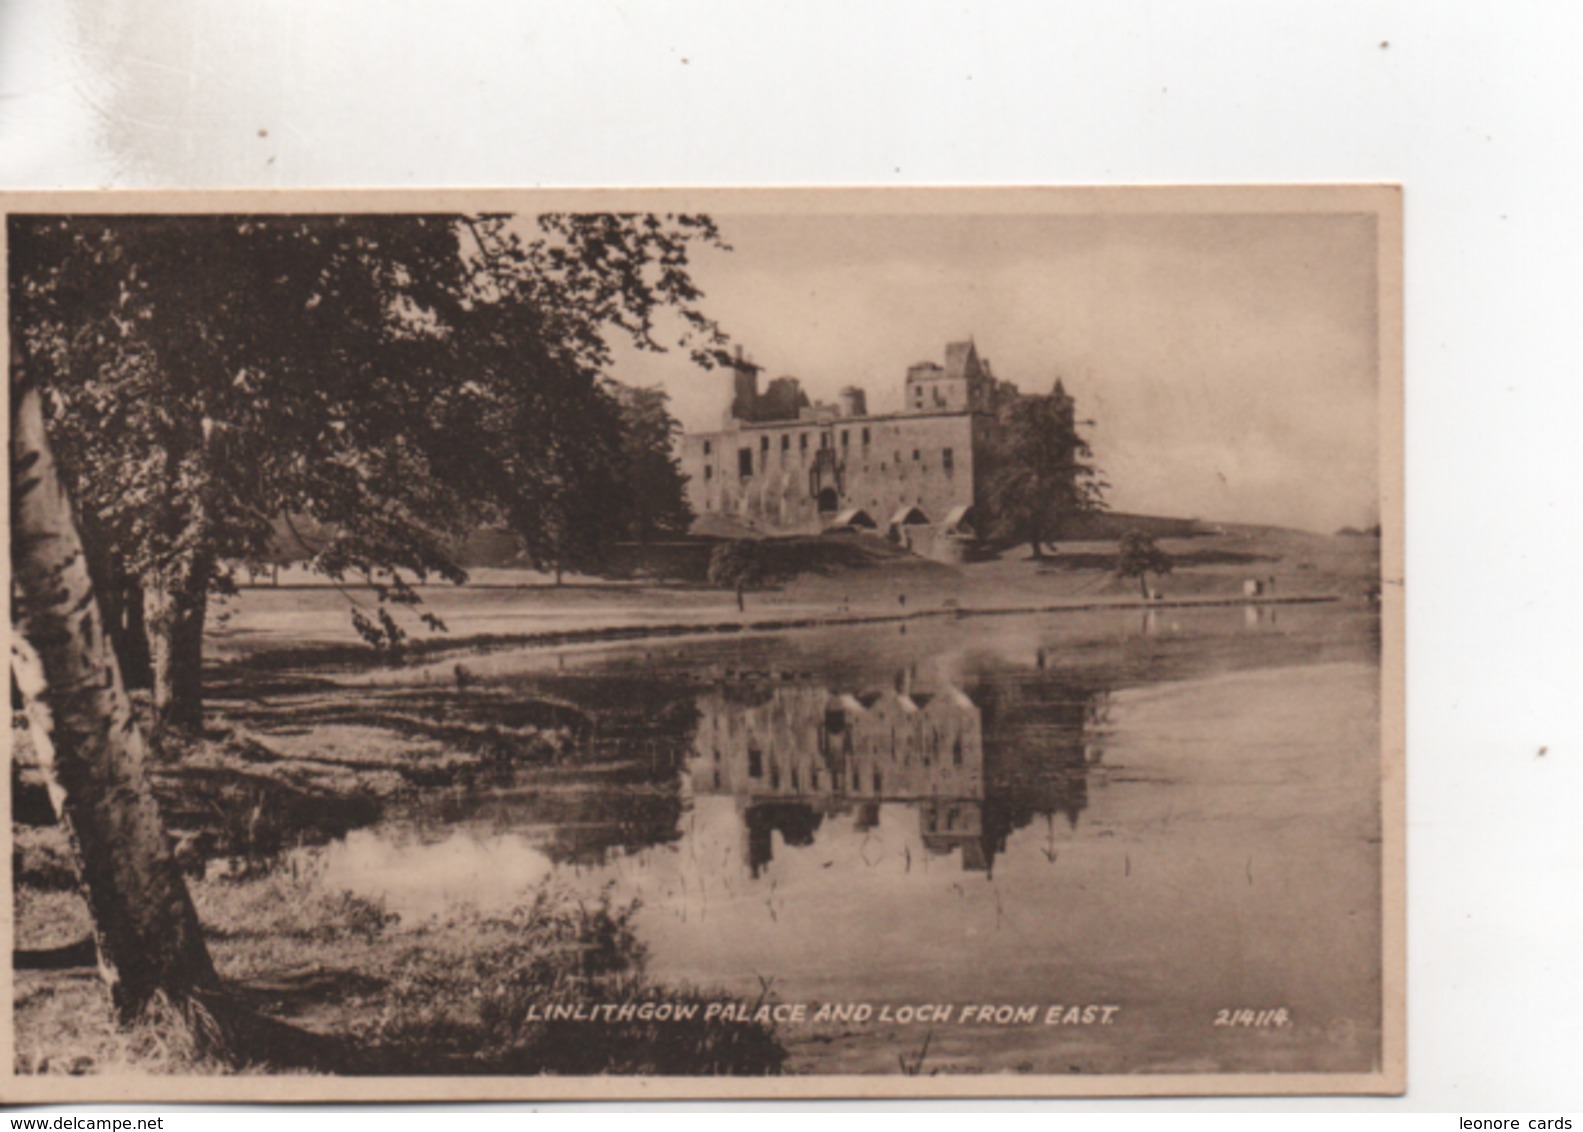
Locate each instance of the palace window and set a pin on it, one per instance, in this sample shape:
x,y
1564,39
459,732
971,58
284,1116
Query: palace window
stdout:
x,y
846,436
917,454
707,448
764,444
744,462
865,438
947,459
785,441
709,472
802,442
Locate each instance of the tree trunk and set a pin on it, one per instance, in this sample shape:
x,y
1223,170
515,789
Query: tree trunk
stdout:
x,y
121,607
1143,586
94,758
174,613
90,748
131,643
741,605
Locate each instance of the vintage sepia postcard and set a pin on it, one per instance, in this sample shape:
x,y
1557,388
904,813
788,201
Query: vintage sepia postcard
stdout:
x,y
718,643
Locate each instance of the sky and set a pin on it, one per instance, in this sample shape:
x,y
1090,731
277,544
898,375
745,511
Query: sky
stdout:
x,y
1229,363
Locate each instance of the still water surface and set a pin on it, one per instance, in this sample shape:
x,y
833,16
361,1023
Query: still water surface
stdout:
x,y
1173,812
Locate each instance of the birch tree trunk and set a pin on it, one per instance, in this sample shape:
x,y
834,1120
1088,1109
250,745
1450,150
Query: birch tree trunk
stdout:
x,y
90,748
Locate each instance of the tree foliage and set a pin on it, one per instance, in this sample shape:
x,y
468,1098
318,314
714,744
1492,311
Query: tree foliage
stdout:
x,y
1039,472
1137,556
393,381
740,565
654,489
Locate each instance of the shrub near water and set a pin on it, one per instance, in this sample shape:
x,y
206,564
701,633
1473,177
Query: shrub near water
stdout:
x,y
459,997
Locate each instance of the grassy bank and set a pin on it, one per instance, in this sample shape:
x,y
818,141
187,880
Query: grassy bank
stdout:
x,y
447,996
291,763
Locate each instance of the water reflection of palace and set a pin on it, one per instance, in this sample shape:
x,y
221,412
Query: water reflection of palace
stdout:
x,y
795,755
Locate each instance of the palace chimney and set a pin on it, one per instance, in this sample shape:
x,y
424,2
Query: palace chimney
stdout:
x,y
853,402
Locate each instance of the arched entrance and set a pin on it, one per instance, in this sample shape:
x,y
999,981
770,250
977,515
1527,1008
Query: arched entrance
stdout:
x,y
829,501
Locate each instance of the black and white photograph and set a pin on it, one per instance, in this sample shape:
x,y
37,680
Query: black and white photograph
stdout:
x,y
728,643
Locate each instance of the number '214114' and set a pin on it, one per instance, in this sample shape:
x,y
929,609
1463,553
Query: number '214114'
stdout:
x,y
1254,1019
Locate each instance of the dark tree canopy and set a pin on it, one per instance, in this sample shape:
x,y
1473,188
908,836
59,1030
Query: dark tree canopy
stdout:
x,y
654,489
394,381
1039,473
1137,556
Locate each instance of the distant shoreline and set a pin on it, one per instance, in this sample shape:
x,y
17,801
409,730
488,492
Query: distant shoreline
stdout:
x,y
432,649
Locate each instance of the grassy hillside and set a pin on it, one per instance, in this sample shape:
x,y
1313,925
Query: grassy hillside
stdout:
x,y
1111,525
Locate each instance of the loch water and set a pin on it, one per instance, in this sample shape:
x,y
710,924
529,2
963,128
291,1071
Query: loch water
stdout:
x,y
1172,813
